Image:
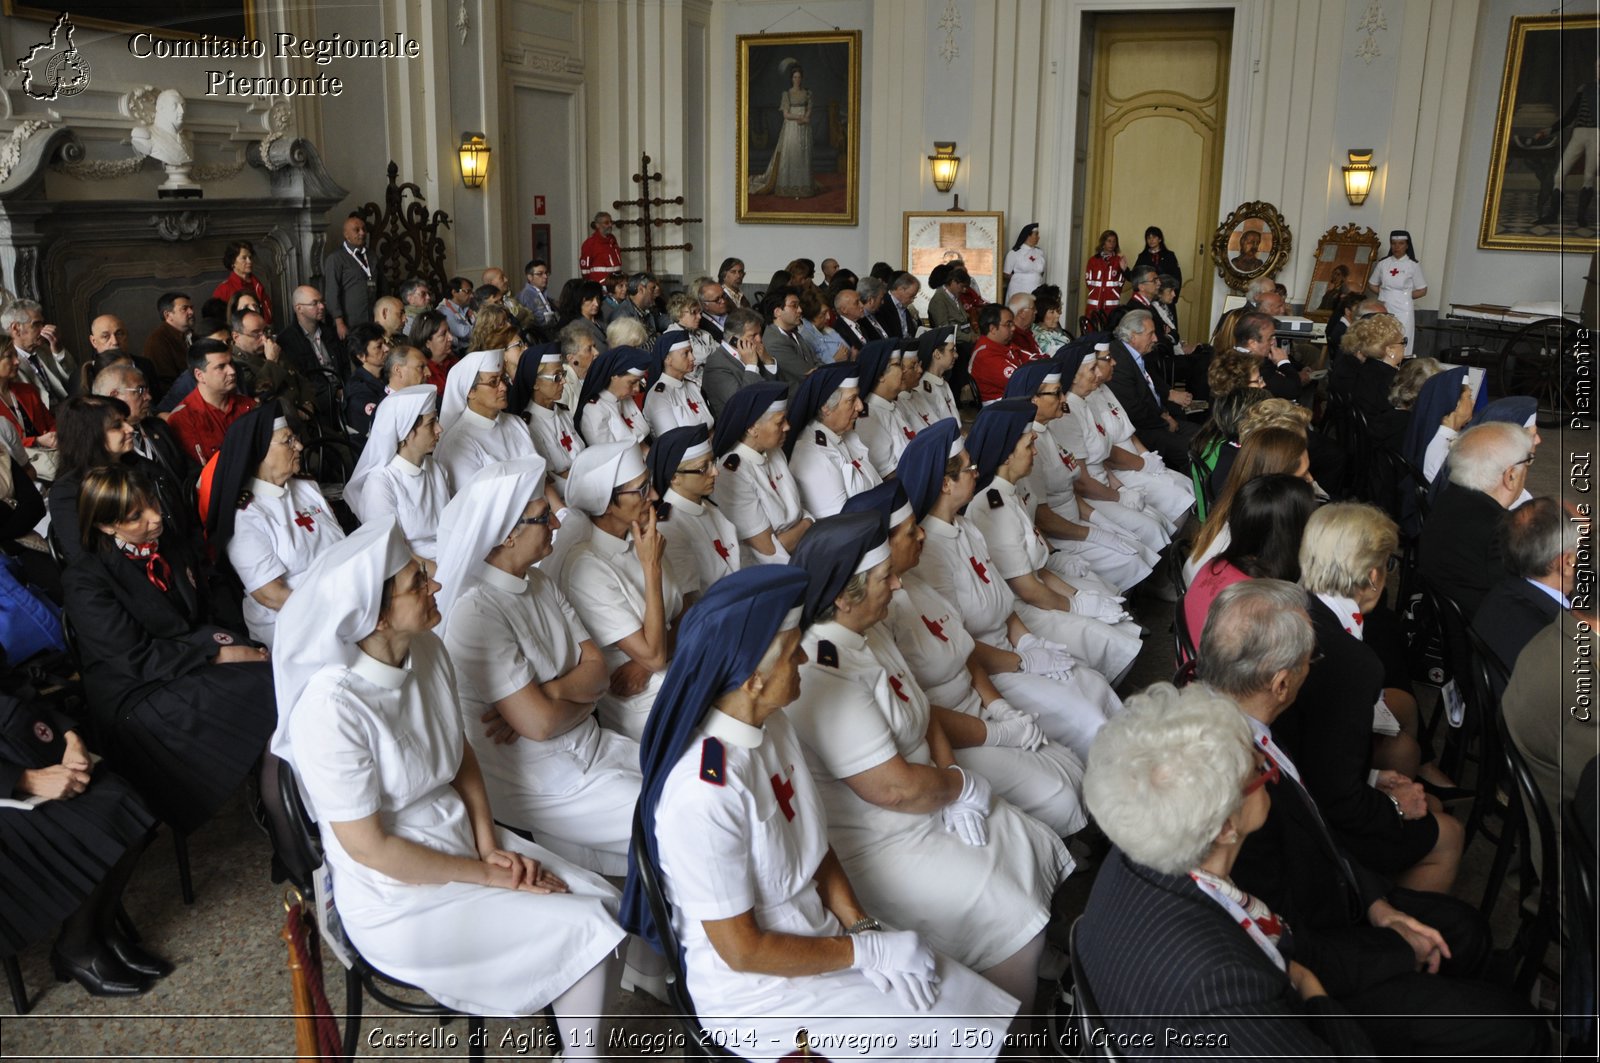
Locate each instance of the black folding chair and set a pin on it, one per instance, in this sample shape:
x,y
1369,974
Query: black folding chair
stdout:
x,y
699,1044
1539,867
1091,1027
297,853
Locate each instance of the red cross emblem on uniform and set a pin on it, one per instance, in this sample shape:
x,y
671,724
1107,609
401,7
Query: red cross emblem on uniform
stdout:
x,y
857,463
303,519
566,440
627,420
783,790
983,573
909,433
1394,271
1066,459
899,689
694,407
925,419
42,731
722,551
936,628
1098,427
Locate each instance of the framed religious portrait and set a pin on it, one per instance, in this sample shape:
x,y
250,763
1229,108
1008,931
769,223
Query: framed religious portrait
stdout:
x,y
1251,242
797,142
219,18
1542,153
938,237
1344,258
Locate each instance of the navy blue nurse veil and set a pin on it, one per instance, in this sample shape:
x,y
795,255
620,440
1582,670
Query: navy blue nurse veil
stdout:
x,y
1438,396
747,406
614,363
995,434
930,342
831,549
668,451
522,384
721,640
1027,378
872,361
921,467
810,396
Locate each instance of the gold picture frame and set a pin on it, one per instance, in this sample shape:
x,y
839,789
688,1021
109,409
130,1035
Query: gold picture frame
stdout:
x,y
1548,59
1352,249
797,141
1253,241
932,237
223,18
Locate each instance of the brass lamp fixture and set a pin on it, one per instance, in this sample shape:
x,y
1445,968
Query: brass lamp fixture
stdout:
x,y
474,153
1358,175
944,162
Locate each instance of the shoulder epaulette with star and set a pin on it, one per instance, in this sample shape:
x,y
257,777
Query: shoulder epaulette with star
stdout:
x,y
660,386
827,654
563,407
731,462
995,501
713,762
822,440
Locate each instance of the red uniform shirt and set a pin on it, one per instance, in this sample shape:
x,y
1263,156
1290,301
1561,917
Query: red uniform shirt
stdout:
x,y
992,365
600,257
1103,279
200,426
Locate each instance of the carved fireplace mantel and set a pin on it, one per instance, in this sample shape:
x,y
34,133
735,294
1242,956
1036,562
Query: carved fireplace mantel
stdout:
x,y
85,256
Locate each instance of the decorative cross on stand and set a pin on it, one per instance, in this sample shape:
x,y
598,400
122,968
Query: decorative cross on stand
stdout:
x,y
648,222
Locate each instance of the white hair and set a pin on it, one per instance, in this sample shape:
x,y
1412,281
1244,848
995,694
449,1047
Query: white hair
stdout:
x,y
1133,321
1166,772
1480,456
1255,629
1020,300
1343,543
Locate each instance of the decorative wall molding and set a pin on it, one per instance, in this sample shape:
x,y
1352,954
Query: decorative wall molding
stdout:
x,y
463,21
950,23
11,150
98,169
179,225
542,61
1371,24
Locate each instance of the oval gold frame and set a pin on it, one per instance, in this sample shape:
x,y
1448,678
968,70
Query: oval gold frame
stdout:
x,y
1282,242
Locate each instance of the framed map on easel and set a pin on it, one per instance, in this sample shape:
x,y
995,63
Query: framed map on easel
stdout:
x,y
977,237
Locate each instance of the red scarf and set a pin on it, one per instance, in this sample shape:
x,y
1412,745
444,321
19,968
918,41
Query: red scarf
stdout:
x,y
156,569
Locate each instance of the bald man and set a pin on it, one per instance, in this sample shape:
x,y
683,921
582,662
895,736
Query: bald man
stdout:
x,y
496,276
311,347
390,314
354,277
107,333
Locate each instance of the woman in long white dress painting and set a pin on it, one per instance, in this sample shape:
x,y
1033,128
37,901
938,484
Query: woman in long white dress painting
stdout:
x,y
789,170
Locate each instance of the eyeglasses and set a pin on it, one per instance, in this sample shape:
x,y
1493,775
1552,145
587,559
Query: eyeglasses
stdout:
x,y
1525,461
548,376
499,380
619,493
134,391
1048,394
1266,772
313,302
698,470
292,441
543,518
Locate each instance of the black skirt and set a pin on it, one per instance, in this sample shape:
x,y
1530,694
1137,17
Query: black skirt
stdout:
x,y
53,855
187,746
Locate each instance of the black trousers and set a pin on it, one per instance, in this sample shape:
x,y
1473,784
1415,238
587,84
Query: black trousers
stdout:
x,y
1452,1014
1173,446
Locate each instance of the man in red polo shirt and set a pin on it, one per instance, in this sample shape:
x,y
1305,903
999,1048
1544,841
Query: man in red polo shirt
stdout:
x,y
204,415
600,256
994,359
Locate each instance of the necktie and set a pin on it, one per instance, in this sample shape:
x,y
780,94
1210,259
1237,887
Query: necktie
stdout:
x,y
47,379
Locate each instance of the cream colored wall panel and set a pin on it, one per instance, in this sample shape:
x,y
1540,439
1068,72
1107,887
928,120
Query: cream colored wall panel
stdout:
x,y
1184,69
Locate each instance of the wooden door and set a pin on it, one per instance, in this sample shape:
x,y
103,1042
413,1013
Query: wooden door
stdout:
x,y
1156,116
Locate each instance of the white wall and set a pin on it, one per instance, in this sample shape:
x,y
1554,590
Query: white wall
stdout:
x,y
1473,274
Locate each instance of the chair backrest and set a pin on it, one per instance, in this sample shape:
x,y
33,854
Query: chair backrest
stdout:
x,y
295,840
1090,1025
661,912
1541,861
1180,630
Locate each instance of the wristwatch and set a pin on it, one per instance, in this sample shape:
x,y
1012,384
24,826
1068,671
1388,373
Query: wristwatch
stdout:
x,y
866,922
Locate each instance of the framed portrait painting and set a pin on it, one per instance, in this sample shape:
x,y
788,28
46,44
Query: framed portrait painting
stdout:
x,y
1251,242
1534,199
936,237
1344,259
798,138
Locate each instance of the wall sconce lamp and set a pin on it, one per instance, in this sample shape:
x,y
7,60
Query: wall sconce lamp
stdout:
x,y
944,162
474,153
1358,175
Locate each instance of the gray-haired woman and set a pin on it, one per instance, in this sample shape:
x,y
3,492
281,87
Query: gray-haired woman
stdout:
x,y
1176,785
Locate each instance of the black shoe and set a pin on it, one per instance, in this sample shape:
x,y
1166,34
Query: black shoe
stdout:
x,y
136,959
101,976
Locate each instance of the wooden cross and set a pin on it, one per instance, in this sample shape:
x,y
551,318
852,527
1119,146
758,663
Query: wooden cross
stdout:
x,y
648,222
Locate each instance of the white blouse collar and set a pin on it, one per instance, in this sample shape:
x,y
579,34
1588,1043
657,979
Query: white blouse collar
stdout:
x,y
720,725
379,674
267,489
404,467
501,580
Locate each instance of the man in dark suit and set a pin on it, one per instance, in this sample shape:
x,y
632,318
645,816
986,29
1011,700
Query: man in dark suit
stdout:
x,y
311,347
1256,334
1541,555
1407,963
782,337
852,322
1147,405
1461,542
713,308
167,346
739,361
897,316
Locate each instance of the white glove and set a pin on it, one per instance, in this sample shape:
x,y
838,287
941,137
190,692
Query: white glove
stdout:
x,y
1016,732
1068,564
1131,497
897,961
1153,462
1110,540
967,816
1040,657
1098,607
